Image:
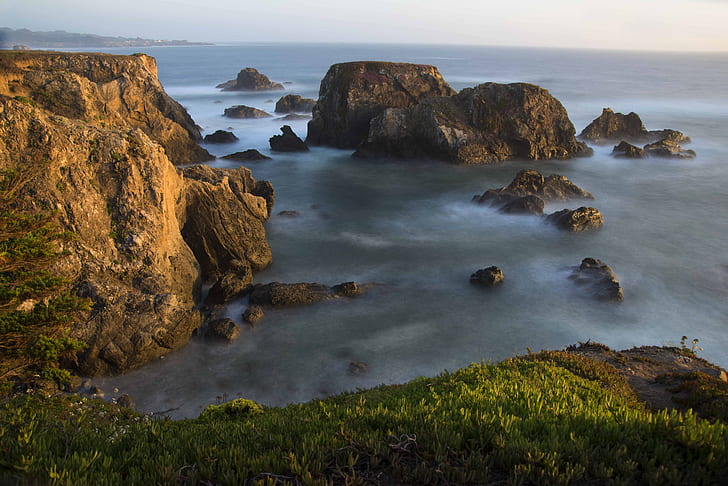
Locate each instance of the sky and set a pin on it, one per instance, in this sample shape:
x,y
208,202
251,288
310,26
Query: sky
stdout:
x,y
663,25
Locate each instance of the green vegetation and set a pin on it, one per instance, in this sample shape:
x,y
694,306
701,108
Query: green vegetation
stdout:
x,y
524,421
35,311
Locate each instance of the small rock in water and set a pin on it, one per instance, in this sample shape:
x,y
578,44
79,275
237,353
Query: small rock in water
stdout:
x,y
581,219
488,277
223,329
287,142
221,136
600,278
253,314
96,391
289,213
628,151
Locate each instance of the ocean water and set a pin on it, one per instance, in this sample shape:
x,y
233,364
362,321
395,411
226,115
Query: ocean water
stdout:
x,y
411,228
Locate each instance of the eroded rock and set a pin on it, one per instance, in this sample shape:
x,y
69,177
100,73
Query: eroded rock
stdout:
x,y
122,92
529,182
235,282
668,148
253,314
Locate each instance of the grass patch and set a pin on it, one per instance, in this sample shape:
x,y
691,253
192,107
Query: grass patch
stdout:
x,y
524,421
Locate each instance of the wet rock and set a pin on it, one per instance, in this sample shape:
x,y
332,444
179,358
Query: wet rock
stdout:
x,y
347,289
581,219
222,329
529,182
242,111
353,93
277,294
221,136
249,79
628,151
126,401
599,278
289,214
96,391
358,368
614,126
491,122
234,283
294,104
287,142
246,156
223,221
253,314
524,205
488,277
668,148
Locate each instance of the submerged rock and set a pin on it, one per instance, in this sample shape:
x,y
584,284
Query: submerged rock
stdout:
x,y
353,93
294,104
488,123
249,79
668,148
221,136
246,156
581,219
242,111
223,329
294,117
277,294
287,142
488,277
599,278
232,284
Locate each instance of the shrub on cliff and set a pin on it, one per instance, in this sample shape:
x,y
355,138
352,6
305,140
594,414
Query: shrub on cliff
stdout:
x,y
35,310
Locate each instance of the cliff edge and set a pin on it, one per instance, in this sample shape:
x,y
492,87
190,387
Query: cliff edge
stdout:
x,y
135,251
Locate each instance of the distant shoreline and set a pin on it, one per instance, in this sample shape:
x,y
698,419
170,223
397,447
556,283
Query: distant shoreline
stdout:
x,y
10,38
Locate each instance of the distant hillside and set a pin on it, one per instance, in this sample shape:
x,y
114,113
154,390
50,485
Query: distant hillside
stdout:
x,y
59,38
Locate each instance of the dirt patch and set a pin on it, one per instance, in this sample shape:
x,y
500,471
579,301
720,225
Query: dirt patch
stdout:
x,y
646,367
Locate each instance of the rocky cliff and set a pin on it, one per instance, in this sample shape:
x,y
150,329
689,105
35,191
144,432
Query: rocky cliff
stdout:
x,y
121,92
489,123
353,93
145,233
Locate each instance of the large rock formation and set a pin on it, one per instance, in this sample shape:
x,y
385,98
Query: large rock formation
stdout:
x,y
353,93
145,233
120,92
489,123
249,79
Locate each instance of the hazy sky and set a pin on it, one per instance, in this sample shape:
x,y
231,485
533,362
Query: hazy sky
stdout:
x,y
609,24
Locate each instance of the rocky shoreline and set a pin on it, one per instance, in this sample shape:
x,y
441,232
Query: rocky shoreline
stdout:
x,y
150,234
